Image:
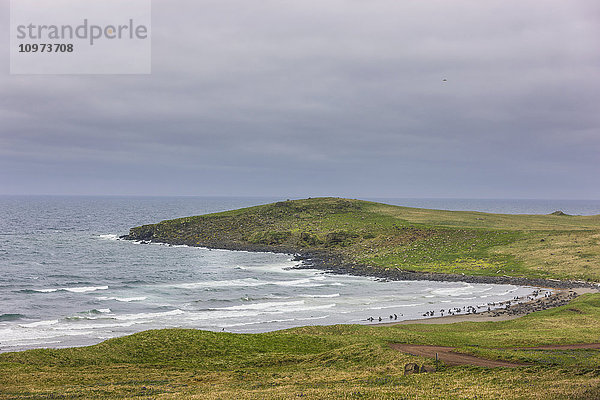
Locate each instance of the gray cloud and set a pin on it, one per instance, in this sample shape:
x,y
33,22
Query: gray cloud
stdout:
x,y
309,98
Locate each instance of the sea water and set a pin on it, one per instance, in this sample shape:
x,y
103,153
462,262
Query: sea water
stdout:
x,y
66,279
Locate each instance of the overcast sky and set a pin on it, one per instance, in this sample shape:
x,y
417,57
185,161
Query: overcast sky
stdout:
x,y
338,97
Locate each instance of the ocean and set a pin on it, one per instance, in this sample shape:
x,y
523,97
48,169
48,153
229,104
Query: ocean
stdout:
x,y
65,279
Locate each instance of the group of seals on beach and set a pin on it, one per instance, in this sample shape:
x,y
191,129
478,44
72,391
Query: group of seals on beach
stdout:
x,y
536,303
516,306
565,291
540,299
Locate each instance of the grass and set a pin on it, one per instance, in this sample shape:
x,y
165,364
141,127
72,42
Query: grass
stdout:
x,y
320,362
383,236
351,361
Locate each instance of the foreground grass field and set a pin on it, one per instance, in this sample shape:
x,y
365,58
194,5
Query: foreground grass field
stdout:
x,y
349,362
383,236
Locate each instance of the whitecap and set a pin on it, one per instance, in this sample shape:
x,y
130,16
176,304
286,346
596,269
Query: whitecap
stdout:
x,y
149,316
122,299
82,289
296,282
397,306
85,289
217,284
262,306
456,291
109,237
39,323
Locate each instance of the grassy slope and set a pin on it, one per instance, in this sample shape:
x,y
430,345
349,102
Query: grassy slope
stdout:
x,y
347,361
385,236
351,361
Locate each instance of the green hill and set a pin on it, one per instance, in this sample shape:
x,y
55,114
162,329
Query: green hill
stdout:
x,y
377,236
352,361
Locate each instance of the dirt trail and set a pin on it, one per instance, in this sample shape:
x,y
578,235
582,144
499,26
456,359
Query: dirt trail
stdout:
x,y
449,355
562,347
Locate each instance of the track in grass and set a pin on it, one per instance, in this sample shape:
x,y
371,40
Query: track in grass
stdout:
x,y
449,355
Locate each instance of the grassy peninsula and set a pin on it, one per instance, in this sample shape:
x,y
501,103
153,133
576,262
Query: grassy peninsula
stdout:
x,y
373,237
351,361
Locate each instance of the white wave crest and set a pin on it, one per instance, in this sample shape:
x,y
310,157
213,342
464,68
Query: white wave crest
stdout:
x,y
456,291
396,306
109,237
122,299
82,289
85,289
39,323
253,282
149,316
264,306
218,284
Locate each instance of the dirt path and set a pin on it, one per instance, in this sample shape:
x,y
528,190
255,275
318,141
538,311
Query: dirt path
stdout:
x,y
562,347
449,355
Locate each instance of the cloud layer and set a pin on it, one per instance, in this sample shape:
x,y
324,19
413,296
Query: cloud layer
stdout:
x,y
363,99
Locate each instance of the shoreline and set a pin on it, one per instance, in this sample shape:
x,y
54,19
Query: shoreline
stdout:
x,y
330,262
334,264
559,298
563,291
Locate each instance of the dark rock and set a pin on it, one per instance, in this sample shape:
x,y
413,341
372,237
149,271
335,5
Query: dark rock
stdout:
x,y
411,368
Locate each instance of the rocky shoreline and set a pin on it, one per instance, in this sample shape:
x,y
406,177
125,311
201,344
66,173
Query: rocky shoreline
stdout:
x,y
333,263
565,291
